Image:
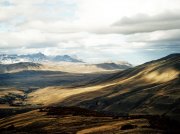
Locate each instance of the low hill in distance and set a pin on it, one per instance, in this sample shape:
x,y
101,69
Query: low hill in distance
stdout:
x,y
17,67
114,66
63,67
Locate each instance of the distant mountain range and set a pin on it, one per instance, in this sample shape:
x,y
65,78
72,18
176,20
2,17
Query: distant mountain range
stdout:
x,y
37,58
28,62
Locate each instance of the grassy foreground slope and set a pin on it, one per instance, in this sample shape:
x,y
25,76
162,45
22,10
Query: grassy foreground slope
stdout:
x,y
71,120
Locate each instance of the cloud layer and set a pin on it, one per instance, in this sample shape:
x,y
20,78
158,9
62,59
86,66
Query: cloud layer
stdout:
x,y
93,30
146,23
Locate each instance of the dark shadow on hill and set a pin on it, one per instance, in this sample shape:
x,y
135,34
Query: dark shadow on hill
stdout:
x,y
40,79
89,119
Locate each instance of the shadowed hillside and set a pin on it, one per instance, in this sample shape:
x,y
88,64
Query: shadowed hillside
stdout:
x,y
151,88
112,66
143,99
10,68
71,120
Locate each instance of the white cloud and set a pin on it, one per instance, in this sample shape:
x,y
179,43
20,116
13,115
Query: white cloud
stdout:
x,y
156,36
94,29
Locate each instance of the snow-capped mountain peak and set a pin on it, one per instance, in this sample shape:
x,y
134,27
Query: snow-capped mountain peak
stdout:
x,y
36,57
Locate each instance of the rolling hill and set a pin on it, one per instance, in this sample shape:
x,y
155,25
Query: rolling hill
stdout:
x,y
141,99
113,66
71,67
151,88
17,67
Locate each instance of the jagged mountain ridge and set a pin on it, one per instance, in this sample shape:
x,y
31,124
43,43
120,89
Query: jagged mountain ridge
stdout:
x,y
66,58
37,57
55,63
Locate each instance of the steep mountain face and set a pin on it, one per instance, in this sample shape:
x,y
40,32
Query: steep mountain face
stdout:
x,y
65,58
37,57
151,88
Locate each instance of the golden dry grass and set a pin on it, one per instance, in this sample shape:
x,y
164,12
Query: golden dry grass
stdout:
x,y
72,67
39,122
114,126
4,92
52,95
154,73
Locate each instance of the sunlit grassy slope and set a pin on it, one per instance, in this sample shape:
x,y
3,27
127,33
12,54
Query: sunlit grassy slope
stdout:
x,y
127,101
151,88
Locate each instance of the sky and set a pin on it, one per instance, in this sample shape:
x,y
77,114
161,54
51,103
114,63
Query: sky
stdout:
x,y
136,31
